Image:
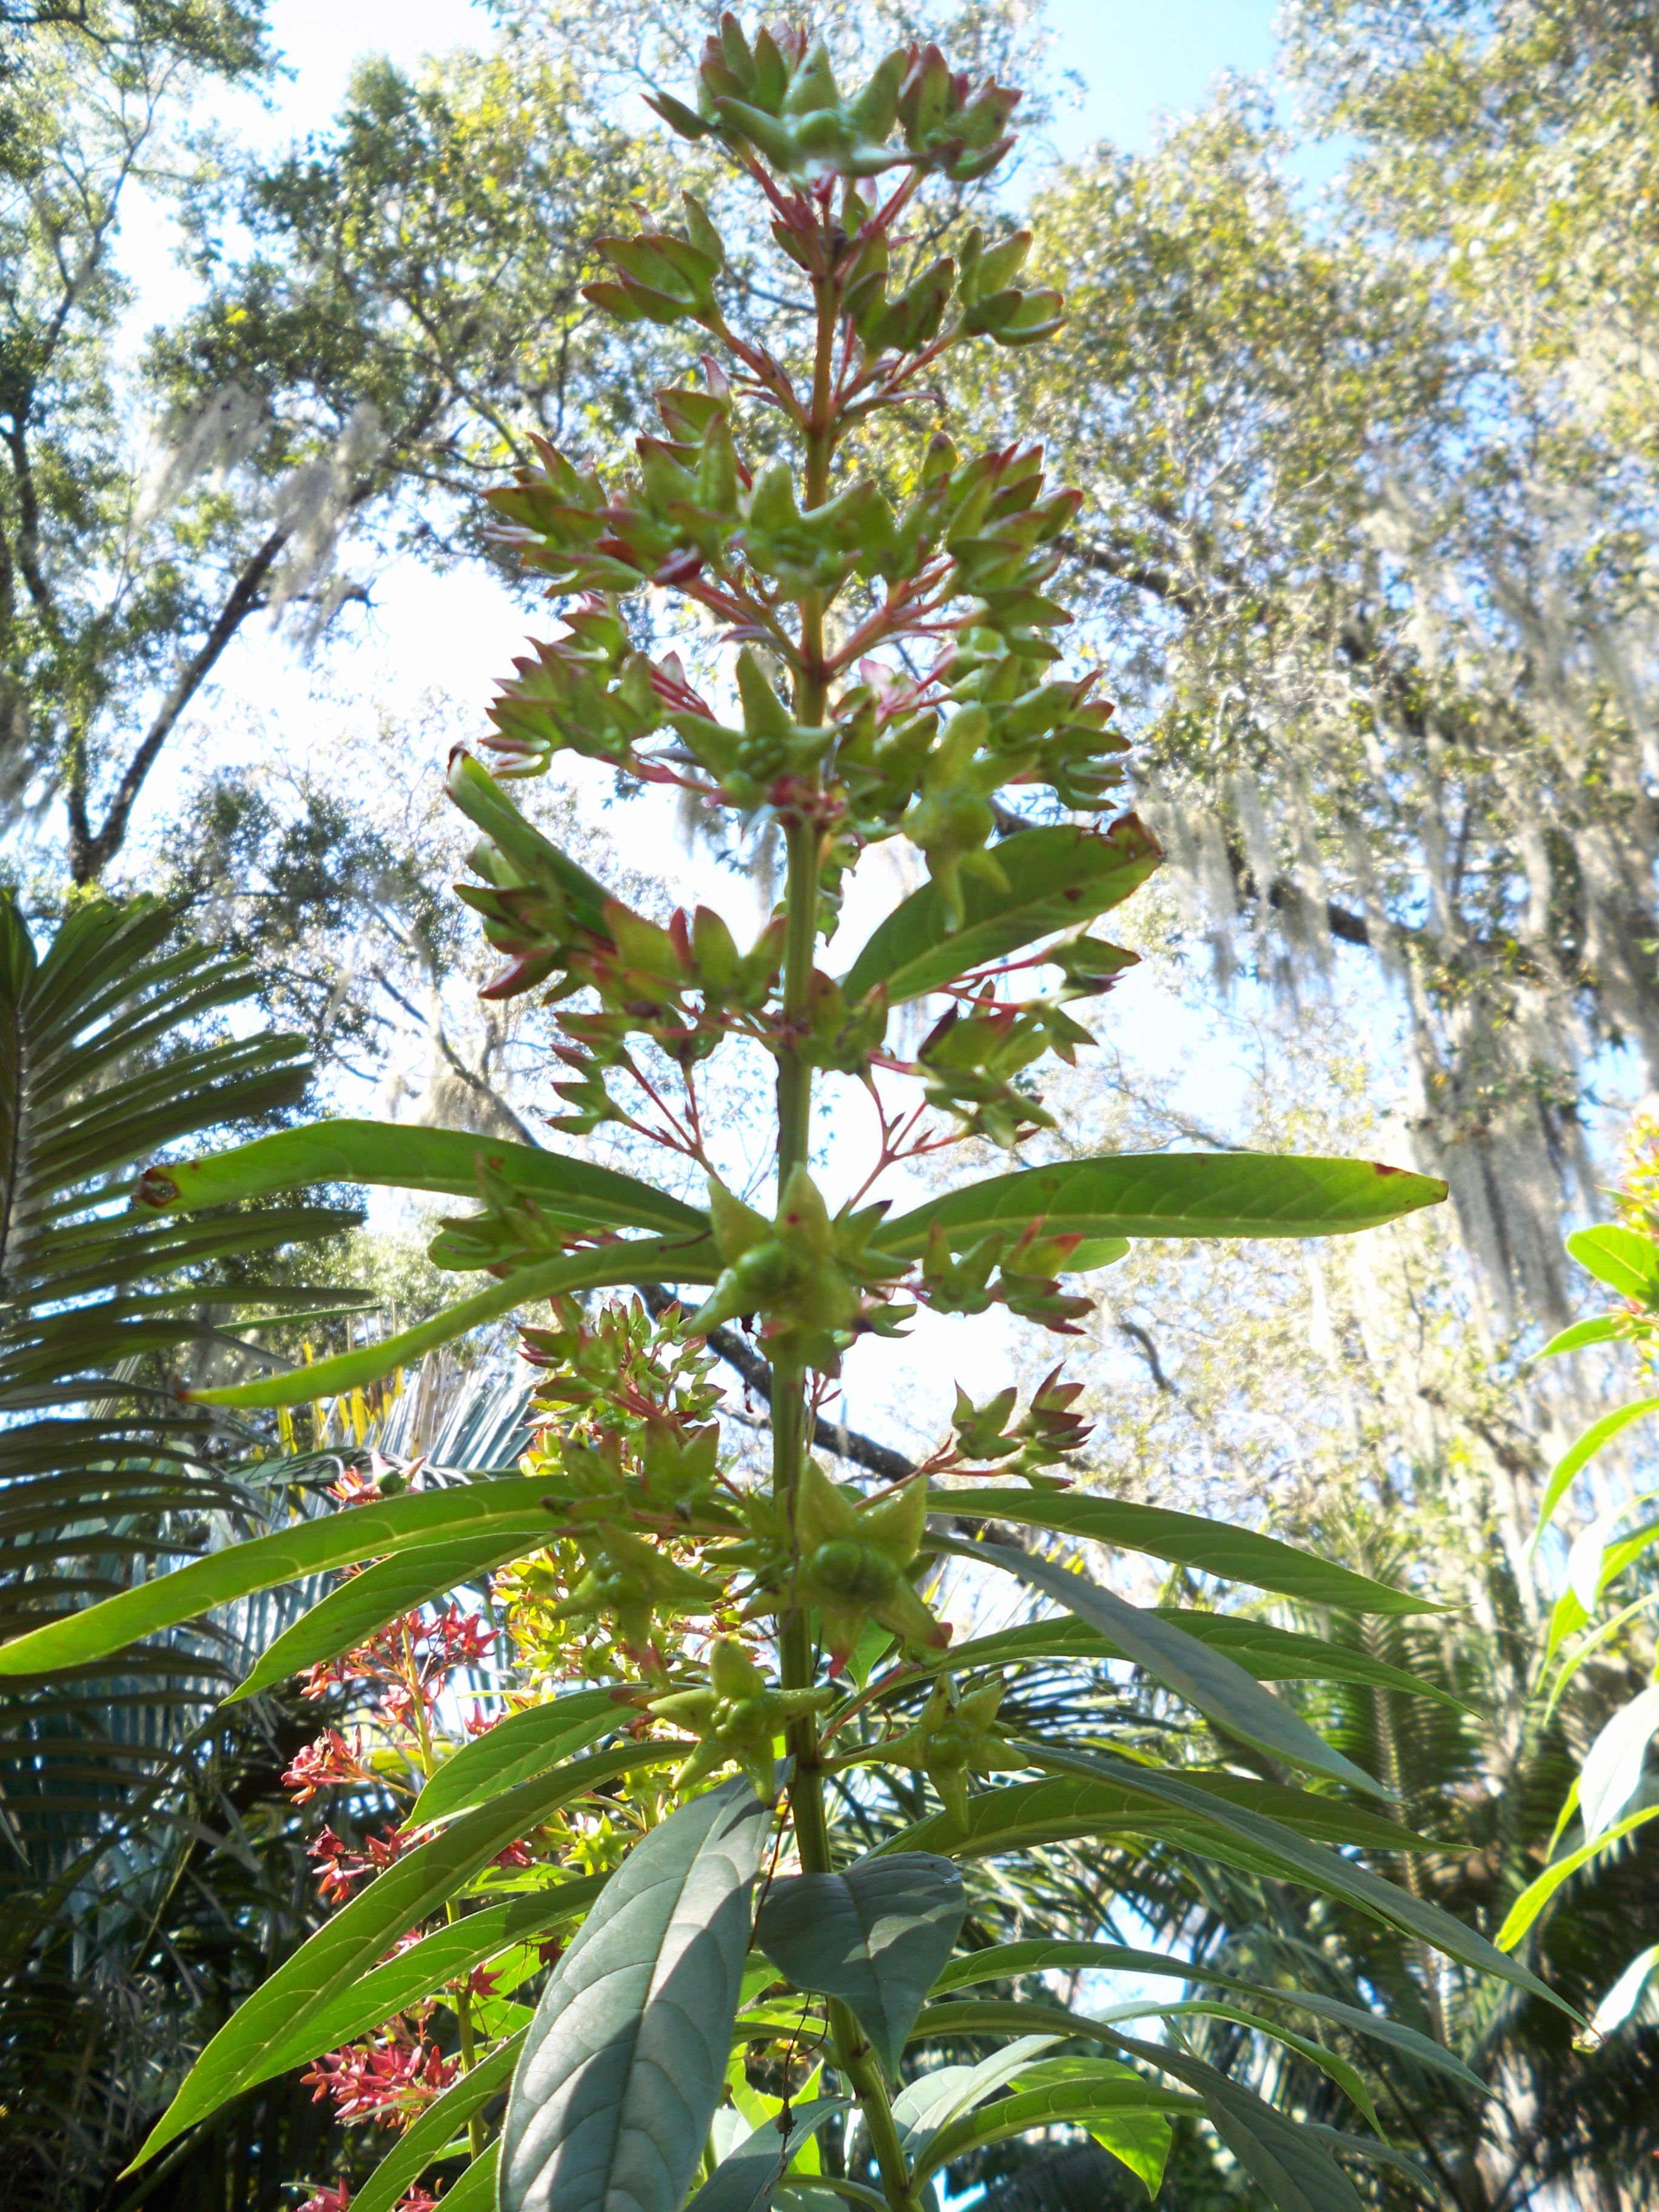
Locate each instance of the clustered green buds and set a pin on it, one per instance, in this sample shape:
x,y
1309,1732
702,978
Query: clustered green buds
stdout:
x,y
806,1276
856,1561
738,1719
971,1062
953,1737
1047,1435
1027,1276
779,97
631,1585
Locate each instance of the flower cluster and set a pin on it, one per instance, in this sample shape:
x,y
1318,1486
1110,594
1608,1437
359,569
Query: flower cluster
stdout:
x,y
410,1659
325,1765
388,2081
339,1866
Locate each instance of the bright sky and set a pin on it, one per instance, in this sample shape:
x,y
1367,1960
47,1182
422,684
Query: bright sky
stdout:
x,y
456,634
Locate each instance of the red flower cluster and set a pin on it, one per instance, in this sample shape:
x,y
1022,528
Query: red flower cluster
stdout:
x,y
338,2199
322,1764
339,1866
389,2082
356,1488
410,1654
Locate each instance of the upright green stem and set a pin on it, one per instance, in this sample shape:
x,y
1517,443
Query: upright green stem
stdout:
x,y
854,2058
475,2126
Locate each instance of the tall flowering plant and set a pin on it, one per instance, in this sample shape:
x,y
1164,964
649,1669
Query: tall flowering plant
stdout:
x,y
714,1663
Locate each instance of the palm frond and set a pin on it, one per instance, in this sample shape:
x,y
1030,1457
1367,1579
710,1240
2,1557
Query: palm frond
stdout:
x,y
106,1057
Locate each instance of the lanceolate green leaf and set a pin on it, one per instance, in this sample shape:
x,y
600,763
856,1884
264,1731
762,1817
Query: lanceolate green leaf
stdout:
x,y
1173,1194
1296,2172
625,2060
1058,878
1320,1868
248,2049
349,1615
1023,1814
1212,1548
423,1970
1012,1961
509,1503
634,1260
404,1157
874,1936
1117,2095
521,1747
403,2165
1205,1677
1623,1259
1270,1654
746,2178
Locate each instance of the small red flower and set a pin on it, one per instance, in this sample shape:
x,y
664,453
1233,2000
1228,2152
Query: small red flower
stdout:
x,y
321,1766
336,2199
355,1488
516,1855
388,2081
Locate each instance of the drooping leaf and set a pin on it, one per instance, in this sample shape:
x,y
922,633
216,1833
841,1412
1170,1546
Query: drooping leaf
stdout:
x,y
1125,2113
248,2048
1172,1194
625,2060
1022,1815
683,1258
350,1615
520,1746
746,2178
1329,2063
1209,1547
403,2165
509,1503
1040,1955
1100,1795
874,1936
1322,1869
1204,1676
403,1157
1056,879
1270,1654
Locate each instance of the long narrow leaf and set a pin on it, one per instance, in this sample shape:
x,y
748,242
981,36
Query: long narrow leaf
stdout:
x,y
1173,1194
1211,1547
406,1158
1205,1677
636,1260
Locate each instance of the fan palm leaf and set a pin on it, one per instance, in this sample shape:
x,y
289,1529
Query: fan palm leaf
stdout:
x,y
108,1053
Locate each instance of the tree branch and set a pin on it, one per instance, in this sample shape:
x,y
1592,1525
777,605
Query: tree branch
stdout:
x,y
847,1444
